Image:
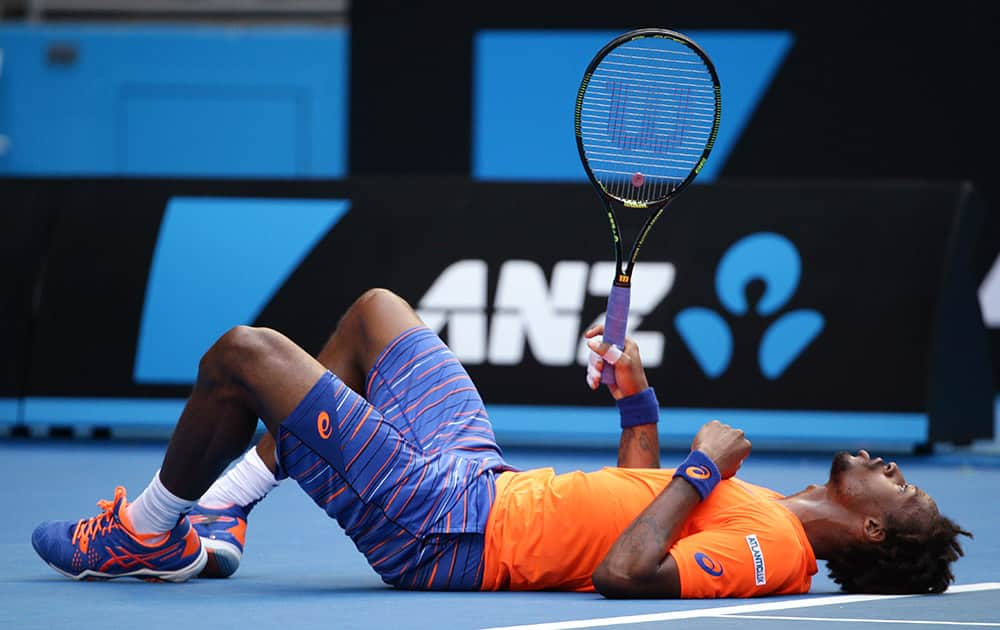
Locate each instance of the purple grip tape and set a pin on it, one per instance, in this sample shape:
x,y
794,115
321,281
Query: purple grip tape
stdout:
x,y
614,325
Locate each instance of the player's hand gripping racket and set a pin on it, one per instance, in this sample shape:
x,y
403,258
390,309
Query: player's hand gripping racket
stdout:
x,y
647,114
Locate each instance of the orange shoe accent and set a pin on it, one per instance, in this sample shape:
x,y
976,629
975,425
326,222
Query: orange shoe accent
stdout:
x,y
239,531
192,543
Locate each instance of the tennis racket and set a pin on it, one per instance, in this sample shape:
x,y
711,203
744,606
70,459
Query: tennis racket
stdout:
x,y
647,114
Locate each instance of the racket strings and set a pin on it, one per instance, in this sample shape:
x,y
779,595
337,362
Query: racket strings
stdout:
x,y
646,118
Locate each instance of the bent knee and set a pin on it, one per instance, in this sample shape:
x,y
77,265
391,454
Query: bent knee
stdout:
x,y
239,348
376,306
377,299
377,317
246,340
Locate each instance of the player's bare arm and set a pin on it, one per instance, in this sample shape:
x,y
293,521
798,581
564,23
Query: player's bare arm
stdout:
x,y
638,446
639,563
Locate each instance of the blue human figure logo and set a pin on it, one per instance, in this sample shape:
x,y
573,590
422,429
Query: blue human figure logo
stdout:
x,y
772,259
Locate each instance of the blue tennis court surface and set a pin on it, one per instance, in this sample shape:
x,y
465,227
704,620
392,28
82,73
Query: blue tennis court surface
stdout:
x,y
300,570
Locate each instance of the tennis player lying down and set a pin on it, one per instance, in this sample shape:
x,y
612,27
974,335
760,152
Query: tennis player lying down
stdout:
x,y
387,434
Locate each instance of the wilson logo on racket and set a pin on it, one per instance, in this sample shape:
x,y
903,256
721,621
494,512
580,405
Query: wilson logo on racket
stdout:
x,y
323,425
698,472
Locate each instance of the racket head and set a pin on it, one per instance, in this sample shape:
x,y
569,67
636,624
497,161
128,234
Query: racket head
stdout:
x,y
647,115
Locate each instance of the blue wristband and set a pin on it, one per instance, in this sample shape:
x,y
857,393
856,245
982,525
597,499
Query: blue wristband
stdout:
x,y
700,471
641,408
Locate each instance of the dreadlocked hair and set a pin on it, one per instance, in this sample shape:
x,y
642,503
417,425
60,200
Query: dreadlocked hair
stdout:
x,y
903,563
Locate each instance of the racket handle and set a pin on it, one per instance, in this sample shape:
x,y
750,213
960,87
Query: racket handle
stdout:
x,y
615,323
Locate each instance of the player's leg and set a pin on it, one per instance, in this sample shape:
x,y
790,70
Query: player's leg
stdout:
x,y
421,388
374,321
398,493
418,383
248,373
367,327
220,518
413,504
407,511
222,513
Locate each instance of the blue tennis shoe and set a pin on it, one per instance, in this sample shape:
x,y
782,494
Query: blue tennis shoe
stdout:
x,y
104,547
223,533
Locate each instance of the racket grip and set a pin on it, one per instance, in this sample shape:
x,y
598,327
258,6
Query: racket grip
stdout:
x,y
615,323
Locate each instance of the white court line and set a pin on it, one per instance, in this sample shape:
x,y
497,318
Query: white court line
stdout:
x,y
719,611
977,624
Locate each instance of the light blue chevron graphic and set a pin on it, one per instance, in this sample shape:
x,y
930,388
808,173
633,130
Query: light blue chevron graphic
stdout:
x,y
525,85
217,263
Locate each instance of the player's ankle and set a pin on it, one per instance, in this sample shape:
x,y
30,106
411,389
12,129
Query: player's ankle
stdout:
x,y
156,510
149,538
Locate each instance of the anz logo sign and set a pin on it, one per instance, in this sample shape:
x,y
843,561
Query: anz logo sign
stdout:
x,y
530,312
201,259
773,259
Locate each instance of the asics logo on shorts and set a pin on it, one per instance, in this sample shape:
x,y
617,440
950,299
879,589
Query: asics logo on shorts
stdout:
x,y
323,425
698,472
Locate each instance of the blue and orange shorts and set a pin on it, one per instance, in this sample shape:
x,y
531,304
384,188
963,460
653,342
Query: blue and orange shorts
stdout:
x,y
408,470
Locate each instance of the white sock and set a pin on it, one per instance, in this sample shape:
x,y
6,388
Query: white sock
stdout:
x,y
157,510
248,481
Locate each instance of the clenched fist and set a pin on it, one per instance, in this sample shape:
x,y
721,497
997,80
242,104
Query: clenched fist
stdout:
x,y
725,445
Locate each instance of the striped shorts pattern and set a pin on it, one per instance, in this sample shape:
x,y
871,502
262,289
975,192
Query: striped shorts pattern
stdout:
x,y
408,473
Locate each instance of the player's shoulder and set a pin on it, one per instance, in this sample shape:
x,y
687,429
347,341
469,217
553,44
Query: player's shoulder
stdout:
x,y
751,491
735,501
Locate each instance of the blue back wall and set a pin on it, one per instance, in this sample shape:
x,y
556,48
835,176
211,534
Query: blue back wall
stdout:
x,y
174,100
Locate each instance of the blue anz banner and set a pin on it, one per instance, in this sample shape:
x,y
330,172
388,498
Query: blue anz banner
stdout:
x,y
525,85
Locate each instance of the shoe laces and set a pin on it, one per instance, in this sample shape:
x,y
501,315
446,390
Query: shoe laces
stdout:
x,y
88,528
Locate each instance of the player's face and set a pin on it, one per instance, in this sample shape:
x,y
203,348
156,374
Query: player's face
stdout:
x,y
873,487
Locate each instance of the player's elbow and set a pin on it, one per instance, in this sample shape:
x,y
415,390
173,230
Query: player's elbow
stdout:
x,y
619,582
609,583
622,584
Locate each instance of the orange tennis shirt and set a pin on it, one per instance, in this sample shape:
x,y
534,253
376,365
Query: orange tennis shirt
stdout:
x,y
548,531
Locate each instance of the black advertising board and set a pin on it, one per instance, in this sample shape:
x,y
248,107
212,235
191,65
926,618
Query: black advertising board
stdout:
x,y
809,295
